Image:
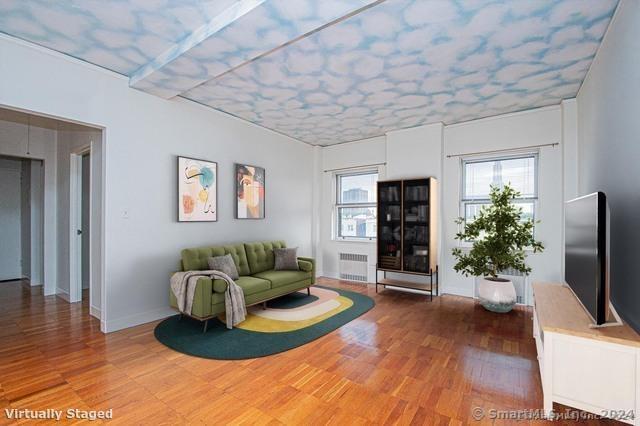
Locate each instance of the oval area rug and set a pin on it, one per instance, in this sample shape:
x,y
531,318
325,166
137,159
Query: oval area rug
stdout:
x,y
288,322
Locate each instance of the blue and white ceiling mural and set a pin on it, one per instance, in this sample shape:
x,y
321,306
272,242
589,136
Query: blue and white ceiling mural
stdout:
x,y
330,71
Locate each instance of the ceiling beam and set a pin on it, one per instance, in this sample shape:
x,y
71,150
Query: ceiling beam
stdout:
x,y
205,54
153,70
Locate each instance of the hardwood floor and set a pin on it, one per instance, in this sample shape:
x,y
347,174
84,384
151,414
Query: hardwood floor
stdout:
x,y
407,361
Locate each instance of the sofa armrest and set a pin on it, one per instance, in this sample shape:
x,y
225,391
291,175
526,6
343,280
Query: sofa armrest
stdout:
x,y
219,286
305,265
313,267
202,299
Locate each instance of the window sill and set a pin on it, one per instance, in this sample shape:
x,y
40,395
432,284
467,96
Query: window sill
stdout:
x,y
354,240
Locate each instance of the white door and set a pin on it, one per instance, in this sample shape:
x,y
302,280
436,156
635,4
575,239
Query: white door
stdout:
x,y
10,247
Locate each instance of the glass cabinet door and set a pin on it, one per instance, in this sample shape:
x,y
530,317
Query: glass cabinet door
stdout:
x,y
415,217
390,225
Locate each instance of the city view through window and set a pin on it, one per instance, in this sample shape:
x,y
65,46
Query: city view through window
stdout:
x,y
356,205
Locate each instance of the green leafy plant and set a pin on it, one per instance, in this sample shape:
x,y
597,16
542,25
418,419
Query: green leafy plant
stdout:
x,y
499,237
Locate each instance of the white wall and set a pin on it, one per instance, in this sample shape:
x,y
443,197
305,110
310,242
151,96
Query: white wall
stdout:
x,y
414,152
411,153
407,153
70,139
75,139
424,151
348,155
36,181
86,219
570,148
39,142
25,218
143,135
508,132
10,219
609,148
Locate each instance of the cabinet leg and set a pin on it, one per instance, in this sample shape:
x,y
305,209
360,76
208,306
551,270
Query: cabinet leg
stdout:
x,y
547,376
430,285
548,411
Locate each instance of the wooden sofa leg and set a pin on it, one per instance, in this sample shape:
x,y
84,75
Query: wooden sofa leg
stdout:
x,y
264,305
206,324
308,291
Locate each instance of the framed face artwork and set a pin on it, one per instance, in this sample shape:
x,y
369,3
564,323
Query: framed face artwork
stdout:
x,y
197,190
250,192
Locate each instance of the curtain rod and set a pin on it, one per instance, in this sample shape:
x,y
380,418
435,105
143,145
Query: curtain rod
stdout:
x,y
503,150
355,167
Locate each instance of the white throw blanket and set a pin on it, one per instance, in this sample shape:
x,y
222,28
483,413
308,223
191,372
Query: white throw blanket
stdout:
x,y
183,285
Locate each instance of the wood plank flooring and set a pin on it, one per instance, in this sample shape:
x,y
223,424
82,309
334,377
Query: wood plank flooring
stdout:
x,y
407,361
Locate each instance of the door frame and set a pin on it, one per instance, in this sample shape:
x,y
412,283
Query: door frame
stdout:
x,y
75,224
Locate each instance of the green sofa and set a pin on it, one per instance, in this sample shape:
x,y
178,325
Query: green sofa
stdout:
x,y
259,281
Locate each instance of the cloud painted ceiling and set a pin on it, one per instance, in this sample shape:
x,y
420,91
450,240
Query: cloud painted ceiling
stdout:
x,y
332,71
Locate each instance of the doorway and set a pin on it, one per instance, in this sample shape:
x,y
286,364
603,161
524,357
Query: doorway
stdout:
x,y
71,161
80,201
21,216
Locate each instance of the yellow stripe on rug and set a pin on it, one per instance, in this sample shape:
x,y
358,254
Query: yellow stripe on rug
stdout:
x,y
267,325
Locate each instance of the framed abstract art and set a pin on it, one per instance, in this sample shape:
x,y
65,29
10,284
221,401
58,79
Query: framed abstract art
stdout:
x,y
250,192
197,190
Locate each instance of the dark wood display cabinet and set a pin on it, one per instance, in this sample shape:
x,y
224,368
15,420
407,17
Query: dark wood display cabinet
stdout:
x,y
407,232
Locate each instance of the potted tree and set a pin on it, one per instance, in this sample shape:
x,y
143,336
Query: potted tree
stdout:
x,y
499,237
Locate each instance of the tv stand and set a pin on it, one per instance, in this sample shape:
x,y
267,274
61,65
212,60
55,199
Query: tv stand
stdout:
x,y
592,369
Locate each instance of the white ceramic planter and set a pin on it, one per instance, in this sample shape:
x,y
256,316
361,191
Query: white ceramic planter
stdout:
x,y
497,294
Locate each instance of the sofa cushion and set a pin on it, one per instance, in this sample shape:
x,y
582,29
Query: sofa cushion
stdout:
x,y
196,259
282,278
250,285
260,255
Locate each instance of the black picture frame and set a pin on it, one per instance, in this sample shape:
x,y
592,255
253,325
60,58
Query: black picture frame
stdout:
x,y
179,201
237,168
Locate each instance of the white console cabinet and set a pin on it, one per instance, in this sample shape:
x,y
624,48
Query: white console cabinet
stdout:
x,y
592,369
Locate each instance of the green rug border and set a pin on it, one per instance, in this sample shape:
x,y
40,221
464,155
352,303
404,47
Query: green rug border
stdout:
x,y
244,344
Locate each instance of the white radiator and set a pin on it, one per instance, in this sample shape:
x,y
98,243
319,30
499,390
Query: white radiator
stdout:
x,y
353,266
520,282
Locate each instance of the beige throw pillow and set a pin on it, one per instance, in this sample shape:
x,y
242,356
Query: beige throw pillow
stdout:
x,y
224,264
286,259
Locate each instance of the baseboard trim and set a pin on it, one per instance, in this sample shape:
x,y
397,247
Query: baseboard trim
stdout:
x,y
63,294
336,276
95,312
329,274
457,291
110,326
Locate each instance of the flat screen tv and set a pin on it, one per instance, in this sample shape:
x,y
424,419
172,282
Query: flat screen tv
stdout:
x,y
587,253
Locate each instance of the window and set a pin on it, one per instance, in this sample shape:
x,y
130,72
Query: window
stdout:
x,y
521,172
356,205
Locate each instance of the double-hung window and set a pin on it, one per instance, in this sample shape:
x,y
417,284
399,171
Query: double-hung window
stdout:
x,y
478,175
356,205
